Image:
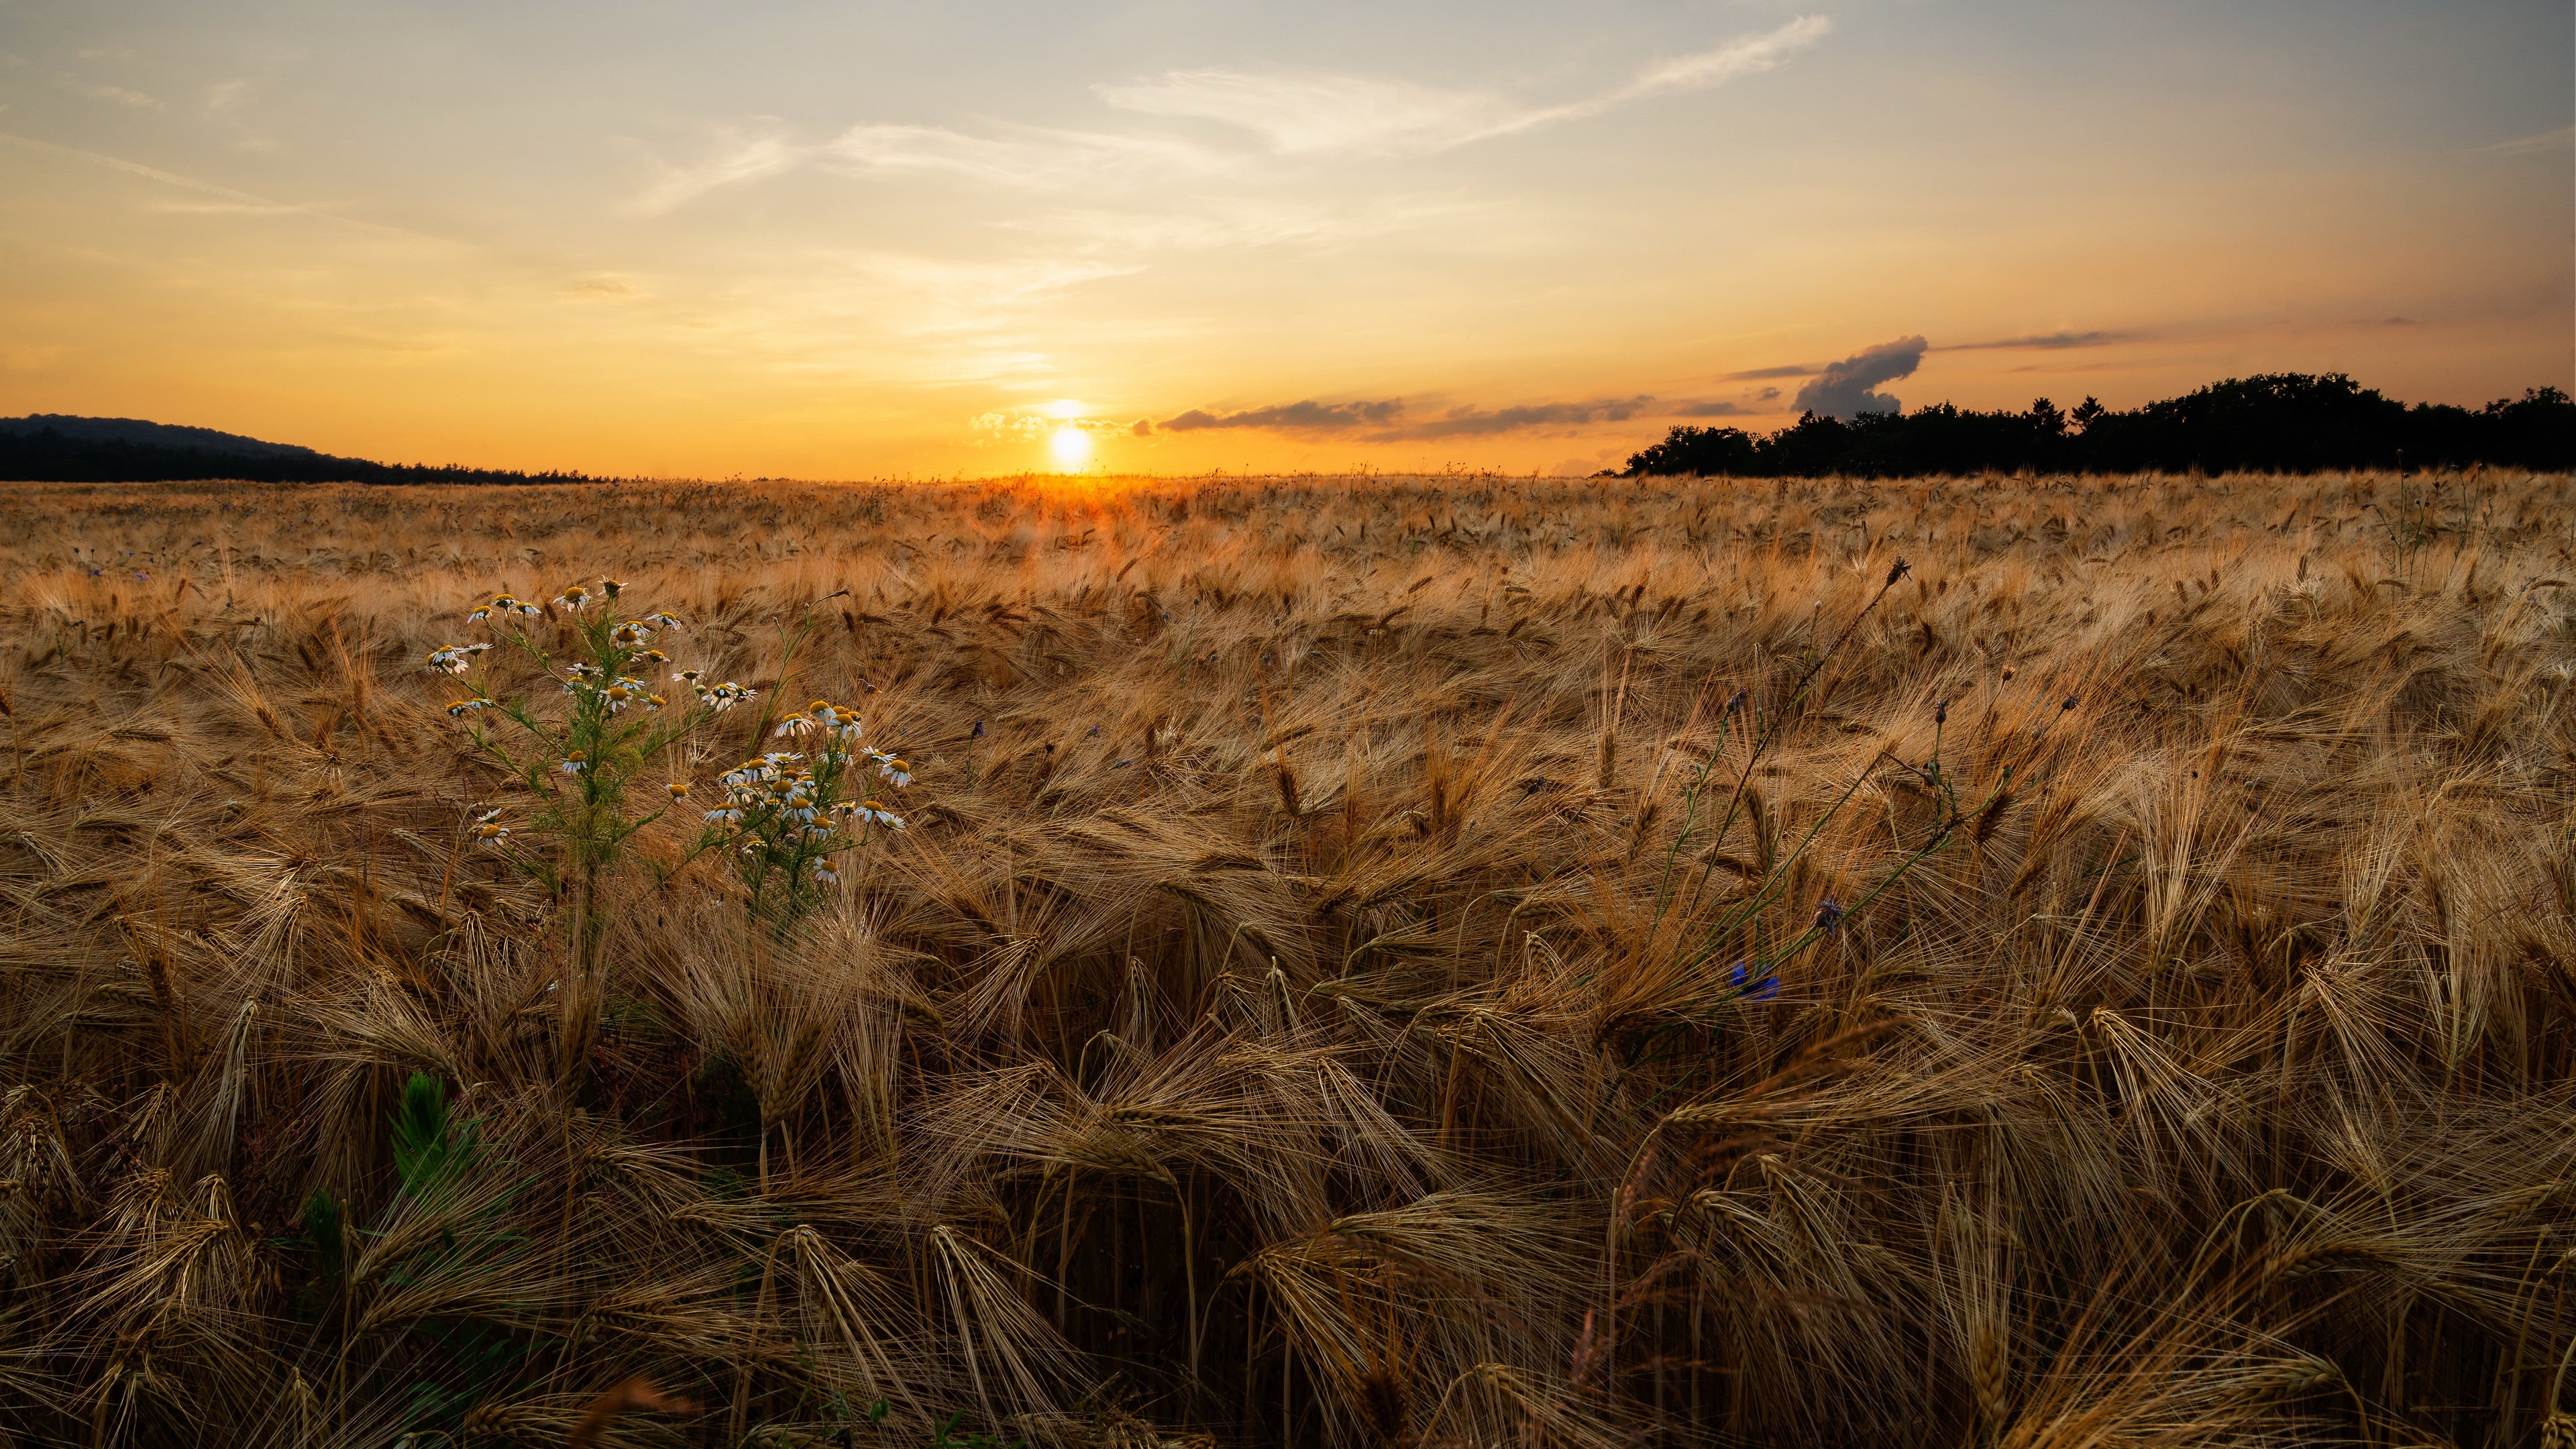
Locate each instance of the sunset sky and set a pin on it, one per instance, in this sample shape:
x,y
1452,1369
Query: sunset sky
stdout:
x,y
863,240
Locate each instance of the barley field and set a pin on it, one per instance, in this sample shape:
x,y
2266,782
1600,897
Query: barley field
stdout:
x,y
1370,961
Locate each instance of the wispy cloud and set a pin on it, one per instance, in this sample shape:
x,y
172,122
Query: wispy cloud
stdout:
x,y
738,155
1233,222
2559,140
1287,113
928,320
1296,113
1024,157
228,201
1304,113
2043,341
598,289
944,296
119,95
1726,62
136,168
1757,374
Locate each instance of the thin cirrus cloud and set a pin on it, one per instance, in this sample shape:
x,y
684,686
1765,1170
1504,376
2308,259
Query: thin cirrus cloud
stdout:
x,y
740,156
1028,157
1289,114
1231,222
2547,141
117,95
1318,113
1025,158
2042,341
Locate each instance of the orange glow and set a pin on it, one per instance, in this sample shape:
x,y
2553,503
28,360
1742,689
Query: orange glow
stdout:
x,y
1071,447
1399,258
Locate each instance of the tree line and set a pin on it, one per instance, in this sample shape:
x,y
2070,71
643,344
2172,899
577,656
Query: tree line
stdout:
x,y
2277,422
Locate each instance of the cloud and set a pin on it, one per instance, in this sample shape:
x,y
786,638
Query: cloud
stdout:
x,y
1712,409
231,105
1304,113
1386,421
597,289
132,168
118,94
1768,394
1288,113
231,202
1842,390
1026,157
2042,340
2546,141
739,156
1300,415
1476,422
1027,424
1755,374
1235,222
1716,67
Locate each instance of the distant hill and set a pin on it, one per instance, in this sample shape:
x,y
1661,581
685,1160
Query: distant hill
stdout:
x,y
158,435
54,448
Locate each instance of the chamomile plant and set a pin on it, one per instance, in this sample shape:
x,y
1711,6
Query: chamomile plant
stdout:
x,y
787,819
790,817
577,756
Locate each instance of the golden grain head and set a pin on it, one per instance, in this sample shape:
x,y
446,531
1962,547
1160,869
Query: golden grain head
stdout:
x,y
1460,960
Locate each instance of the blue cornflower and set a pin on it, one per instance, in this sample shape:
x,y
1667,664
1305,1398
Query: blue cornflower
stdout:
x,y
1754,981
1829,915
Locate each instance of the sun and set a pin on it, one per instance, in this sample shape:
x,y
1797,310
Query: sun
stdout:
x,y
1071,446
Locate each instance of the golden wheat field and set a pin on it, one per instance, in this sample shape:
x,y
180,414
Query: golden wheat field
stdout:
x,y
1381,961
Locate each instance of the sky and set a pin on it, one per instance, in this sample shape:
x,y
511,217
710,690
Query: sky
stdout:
x,y
861,240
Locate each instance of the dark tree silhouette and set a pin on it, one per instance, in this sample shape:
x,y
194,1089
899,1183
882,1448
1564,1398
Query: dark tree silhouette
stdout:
x,y
2278,422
